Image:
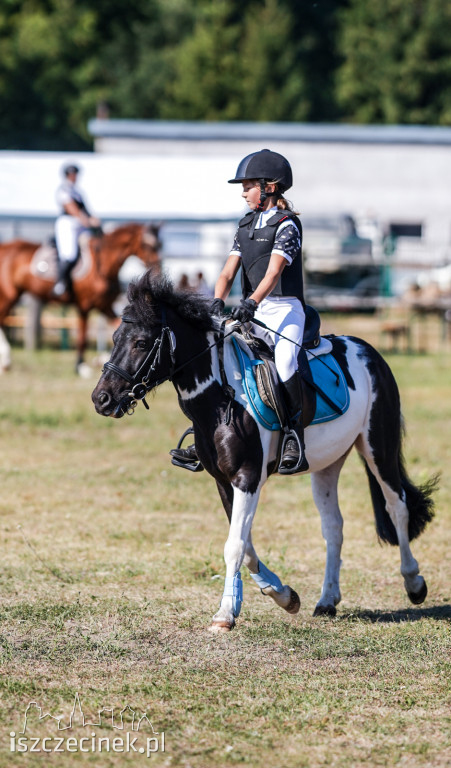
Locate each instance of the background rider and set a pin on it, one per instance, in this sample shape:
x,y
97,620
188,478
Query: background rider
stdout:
x,y
73,219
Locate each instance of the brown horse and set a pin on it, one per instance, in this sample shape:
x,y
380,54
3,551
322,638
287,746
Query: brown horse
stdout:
x,y
29,268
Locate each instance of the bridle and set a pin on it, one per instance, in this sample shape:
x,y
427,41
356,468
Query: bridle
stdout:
x,y
140,382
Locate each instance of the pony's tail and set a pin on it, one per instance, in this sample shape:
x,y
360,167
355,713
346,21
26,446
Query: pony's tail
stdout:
x,y
419,502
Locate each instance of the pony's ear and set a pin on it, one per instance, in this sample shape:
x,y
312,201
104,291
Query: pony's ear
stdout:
x,y
153,228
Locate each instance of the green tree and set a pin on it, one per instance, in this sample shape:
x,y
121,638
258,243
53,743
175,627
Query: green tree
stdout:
x,y
272,86
275,60
314,26
396,62
256,60
212,59
43,45
59,58
207,71
136,65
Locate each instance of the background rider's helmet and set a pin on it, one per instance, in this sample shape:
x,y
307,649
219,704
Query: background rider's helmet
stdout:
x,y
68,169
266,165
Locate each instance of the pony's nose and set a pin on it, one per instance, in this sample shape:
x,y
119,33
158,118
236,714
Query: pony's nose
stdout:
x,y
102,401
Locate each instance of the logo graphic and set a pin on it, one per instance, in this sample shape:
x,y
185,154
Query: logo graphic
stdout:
x,y
130,723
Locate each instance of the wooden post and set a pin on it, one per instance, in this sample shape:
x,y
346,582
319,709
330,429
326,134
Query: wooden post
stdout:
x,y
33,334
64,330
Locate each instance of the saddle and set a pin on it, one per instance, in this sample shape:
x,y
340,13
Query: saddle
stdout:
x,y
325,393
267,381
44,263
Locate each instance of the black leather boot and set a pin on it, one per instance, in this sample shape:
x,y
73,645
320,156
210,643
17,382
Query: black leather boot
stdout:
x,y
186,458
64,283
293,449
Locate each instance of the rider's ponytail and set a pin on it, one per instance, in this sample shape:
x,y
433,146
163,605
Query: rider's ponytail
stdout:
x,y
282,203
285,205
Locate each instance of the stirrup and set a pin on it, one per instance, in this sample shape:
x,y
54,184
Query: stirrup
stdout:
x,y
193,466
302,464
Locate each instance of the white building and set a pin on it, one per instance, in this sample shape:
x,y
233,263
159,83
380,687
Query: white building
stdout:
x,y
398,174
393,180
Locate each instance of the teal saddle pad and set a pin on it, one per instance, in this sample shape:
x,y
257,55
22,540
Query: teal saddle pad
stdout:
x,y
326,374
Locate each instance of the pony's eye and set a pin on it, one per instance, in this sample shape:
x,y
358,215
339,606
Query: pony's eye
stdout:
x,y
140,344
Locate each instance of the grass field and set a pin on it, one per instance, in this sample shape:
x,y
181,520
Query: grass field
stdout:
x,y
112,569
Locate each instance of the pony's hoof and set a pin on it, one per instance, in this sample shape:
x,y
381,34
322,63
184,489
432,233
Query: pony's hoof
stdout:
x,y
325,610
221,626
418,597
294,604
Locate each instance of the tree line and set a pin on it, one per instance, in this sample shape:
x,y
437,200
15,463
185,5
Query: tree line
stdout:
x,y
354,61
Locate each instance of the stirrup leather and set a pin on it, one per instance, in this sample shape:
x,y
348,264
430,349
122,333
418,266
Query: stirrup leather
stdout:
x,y
193,466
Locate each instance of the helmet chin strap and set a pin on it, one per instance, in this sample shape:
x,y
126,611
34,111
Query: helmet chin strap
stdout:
x,y
263,195
261,203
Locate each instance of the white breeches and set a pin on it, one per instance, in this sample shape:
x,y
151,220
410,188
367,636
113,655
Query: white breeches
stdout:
x,y
285,315
67,231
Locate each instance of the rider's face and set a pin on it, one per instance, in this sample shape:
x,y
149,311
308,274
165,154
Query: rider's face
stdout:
x,y
251,193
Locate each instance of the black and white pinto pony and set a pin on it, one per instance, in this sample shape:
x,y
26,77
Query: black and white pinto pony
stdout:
x,y
166,335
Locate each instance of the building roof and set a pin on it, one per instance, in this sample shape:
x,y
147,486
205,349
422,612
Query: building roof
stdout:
x,y
269,132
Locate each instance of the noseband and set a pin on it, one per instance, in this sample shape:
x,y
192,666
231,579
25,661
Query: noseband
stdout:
x,y
140,383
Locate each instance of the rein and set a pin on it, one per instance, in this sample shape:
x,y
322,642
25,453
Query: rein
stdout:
x,y
140,382
317,357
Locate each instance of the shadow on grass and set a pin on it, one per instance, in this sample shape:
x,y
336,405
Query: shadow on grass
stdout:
x,y
438,613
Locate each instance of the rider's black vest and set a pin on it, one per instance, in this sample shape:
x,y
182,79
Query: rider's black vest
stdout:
x,y
256,253
81,206
78,200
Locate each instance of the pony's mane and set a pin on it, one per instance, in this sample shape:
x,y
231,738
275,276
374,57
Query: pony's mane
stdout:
x,y
151,291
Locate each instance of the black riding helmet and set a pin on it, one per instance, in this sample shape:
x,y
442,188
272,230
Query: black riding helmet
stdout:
x,y
265,165
68,169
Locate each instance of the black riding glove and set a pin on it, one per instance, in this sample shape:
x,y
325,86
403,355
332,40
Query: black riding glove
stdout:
x,y
217,307
245,311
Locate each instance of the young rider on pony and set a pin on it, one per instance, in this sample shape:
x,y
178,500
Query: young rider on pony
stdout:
x,y
268,248
73,219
